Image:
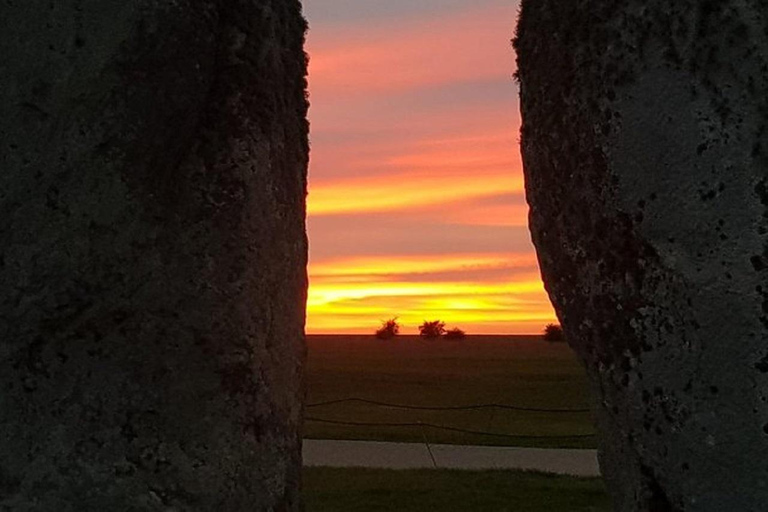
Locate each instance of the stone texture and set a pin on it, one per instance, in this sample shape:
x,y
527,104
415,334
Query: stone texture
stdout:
x,y
153,162
645,147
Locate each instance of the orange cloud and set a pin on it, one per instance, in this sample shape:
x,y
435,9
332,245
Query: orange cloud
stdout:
x,y
447,149
328,293
373,266
476,211
432,172
395,192
478,214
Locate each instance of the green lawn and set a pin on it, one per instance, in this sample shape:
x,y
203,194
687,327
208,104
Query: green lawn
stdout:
x,y
369,490
524,371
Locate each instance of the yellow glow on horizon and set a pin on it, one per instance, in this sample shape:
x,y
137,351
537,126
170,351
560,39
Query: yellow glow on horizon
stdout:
x,y
482,323
510,306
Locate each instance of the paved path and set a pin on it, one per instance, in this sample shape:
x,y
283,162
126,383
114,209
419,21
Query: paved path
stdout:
x,y
373,454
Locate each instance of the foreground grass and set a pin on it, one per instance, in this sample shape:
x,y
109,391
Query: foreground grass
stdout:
x,y
371,490
523,371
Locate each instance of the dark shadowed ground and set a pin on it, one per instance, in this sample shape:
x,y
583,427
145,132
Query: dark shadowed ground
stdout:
x,y
517,370
449,491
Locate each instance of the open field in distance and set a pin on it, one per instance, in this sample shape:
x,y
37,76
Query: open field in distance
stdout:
x,y
516,370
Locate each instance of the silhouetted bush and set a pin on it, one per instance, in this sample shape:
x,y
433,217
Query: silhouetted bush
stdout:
x,y
553,332
389,329
431,329
455,334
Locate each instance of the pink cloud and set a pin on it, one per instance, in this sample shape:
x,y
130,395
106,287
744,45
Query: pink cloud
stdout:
x,y
400,55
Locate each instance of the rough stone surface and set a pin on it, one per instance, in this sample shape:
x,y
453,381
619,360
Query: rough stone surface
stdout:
x,y
645,147
152,254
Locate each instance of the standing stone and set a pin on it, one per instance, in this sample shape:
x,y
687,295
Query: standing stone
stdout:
x,y
645,146
153,160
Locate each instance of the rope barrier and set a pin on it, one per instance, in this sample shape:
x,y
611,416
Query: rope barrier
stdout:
x,y
447,408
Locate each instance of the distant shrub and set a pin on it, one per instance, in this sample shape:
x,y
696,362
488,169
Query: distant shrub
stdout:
x,y
389,329
431,329
553,332
455,334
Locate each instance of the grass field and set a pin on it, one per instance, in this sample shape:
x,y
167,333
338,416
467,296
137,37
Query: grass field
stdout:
x,y
515,370
368,490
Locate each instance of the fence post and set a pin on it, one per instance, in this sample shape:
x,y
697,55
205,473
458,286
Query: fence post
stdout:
x,y
429,448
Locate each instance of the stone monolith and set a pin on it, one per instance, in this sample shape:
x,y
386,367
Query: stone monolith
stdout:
x,y
153,160
645,147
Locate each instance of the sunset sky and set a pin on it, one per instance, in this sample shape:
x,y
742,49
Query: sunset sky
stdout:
x,y
416,205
